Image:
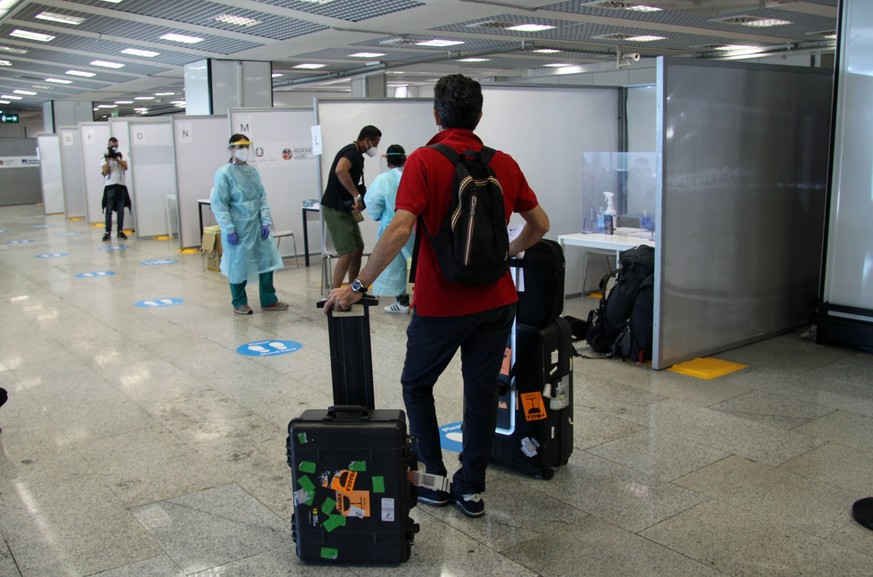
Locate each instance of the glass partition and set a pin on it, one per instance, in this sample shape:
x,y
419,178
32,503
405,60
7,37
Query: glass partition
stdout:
x,y
624,181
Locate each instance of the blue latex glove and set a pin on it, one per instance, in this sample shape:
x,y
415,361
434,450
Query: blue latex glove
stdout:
x,y
265,231
232,238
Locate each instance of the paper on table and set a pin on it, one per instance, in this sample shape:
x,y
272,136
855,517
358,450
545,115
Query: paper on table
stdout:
x,y
514,229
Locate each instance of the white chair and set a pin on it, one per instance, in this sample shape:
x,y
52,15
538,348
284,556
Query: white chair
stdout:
x,y
279,235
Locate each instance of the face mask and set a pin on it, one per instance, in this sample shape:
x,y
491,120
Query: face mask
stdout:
x,y
371,152
241,154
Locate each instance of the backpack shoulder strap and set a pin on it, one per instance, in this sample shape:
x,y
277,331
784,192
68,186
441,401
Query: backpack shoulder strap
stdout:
x,y
486,154
446,151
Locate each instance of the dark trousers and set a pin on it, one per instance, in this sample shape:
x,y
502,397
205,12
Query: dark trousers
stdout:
x,y
431,344
266,291
114,202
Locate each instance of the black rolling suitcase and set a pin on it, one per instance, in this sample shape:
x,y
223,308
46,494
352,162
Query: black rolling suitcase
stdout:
x,y
535,412
350,468
535,415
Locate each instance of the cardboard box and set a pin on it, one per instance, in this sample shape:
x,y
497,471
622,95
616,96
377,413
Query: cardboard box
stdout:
x,y
211,245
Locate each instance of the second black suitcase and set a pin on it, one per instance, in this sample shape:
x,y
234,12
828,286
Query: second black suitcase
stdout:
x,y
540,284
535,416
352,494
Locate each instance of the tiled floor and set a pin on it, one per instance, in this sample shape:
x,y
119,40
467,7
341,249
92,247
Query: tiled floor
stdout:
x,y
138,442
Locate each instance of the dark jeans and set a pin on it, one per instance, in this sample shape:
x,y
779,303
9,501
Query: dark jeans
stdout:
x,y
114,201
431,344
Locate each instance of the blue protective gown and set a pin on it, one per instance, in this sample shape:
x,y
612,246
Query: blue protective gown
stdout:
x,y
239,203
380,200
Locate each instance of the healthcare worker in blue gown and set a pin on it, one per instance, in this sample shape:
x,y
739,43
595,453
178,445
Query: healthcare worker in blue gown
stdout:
x,y
239,203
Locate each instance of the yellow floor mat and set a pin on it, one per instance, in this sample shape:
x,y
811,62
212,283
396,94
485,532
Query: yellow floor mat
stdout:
x,y
706,368
189,251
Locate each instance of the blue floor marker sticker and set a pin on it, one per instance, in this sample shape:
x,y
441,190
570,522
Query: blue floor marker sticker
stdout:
x,y
68,234
96,274
268,348
159,262
20,241
119,247
158,303
451,437
51,255
42,226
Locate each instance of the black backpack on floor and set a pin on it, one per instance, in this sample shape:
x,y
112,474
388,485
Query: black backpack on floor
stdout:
x,y
609,320
635,341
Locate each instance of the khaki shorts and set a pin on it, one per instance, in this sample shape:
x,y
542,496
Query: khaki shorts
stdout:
x,y
343,229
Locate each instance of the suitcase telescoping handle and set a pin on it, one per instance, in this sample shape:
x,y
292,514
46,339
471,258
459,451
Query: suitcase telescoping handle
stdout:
x,y
347,413
365,301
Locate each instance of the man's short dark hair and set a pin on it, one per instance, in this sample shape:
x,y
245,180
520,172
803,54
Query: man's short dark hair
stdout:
x,y
113,139
369,132
457,101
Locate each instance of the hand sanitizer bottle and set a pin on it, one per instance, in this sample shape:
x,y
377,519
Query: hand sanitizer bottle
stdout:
x,y
609,214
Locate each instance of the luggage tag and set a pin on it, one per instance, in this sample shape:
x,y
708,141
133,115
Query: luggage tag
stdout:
x,y
429,481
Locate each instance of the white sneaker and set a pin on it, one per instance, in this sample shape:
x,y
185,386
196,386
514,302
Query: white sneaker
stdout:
x,y
397,308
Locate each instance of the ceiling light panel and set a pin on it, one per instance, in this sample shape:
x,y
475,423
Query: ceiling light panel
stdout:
x,y
29,35
58,81
107,64
11,50
60,18
139,52
181,38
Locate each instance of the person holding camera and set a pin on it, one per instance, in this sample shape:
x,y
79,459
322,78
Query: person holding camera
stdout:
x,y
115,195
342,202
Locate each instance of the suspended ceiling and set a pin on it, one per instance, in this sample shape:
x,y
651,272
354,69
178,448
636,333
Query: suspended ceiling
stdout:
x,y
388,33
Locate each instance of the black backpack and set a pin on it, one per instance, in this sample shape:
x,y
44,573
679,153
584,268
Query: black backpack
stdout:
x,y
472,245
635,341
608,321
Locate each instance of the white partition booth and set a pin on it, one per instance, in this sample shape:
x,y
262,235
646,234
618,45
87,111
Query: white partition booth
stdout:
x,y
94,137
50,174
200,144
282,153
151,175
72,172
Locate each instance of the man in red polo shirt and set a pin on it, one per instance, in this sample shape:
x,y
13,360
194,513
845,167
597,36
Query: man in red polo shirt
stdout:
x,y
473,318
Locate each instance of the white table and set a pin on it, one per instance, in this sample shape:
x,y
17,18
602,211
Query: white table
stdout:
x,y
616,242
600,241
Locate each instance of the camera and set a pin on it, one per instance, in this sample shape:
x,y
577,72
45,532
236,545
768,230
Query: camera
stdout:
x,y
112,152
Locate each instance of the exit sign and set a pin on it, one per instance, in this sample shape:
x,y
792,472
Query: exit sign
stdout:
x,y
9,118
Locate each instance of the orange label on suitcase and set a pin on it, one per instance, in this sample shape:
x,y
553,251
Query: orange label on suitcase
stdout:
x,y
534,408
507,361
353,503
344,481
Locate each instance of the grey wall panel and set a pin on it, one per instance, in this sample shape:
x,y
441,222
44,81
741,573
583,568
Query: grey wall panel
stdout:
x,y
744,158
19,173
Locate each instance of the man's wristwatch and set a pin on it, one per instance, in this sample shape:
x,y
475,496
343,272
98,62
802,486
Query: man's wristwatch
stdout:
x,y
358,287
